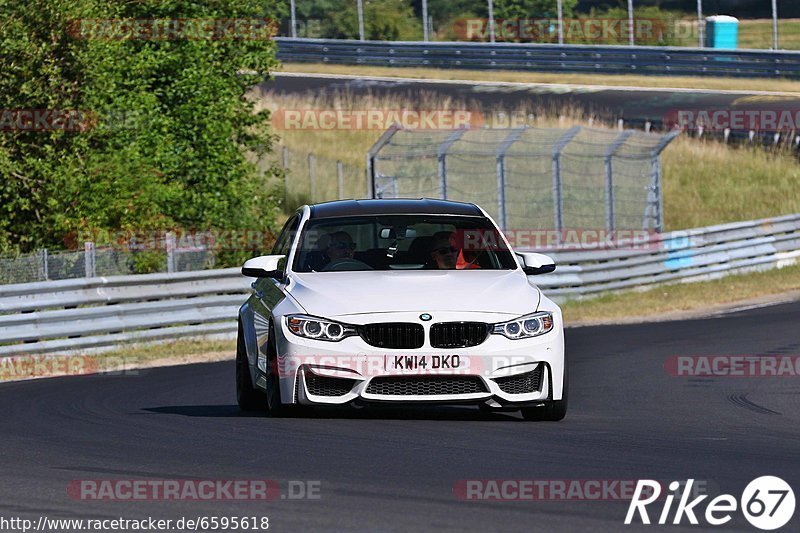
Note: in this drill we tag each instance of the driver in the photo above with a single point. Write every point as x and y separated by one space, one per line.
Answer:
443 250
341 246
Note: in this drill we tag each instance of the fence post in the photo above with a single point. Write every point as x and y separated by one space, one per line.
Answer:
700 28
293 12
560 15
657 192
311 176
425 20
558 202
441 158
774 24
631 40
491 20
360 8
45 268
612 149
372 152
170 245
285 172
90 269
501 175
340 180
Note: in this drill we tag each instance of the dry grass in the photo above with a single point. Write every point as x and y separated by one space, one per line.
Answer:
125 360
185 350
705 182
682 297
757 33
614 80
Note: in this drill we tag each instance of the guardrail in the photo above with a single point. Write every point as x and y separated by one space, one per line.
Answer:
79 314
655 60
687 255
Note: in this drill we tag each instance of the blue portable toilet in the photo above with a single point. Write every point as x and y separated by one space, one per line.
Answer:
722 32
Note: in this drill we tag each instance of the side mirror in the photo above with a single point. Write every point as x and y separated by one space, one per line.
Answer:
533 263
266 266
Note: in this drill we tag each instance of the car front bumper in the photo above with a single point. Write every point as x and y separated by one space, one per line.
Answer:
500 372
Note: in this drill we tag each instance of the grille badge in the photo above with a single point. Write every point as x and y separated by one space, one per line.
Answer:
425 317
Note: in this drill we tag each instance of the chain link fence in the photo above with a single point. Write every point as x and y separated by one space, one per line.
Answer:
761 24
530 177
543 178
310 178
92 262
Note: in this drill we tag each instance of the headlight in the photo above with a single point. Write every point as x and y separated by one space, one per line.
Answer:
526 326
320 329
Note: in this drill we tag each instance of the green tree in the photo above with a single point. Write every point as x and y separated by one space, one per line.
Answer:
172 137
508 9
383 19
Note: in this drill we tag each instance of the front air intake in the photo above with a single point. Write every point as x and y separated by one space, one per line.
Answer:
458 334
399 335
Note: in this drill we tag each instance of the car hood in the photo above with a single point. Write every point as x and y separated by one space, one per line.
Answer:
331 294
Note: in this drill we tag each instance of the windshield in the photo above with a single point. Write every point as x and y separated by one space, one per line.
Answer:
401 242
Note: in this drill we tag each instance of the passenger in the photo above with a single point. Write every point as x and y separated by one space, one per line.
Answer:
447 254
443 251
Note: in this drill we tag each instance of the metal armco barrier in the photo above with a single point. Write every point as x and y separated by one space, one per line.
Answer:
654 60
687 255
78 314
71 315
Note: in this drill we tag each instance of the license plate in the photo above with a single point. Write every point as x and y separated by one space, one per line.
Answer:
422 362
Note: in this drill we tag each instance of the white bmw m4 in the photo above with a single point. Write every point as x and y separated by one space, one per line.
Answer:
399 301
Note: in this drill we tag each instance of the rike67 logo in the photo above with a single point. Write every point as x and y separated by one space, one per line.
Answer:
767 503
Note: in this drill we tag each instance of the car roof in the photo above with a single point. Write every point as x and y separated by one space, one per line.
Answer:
393 206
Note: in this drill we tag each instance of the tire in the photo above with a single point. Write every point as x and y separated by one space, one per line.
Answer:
248 397
274 404
552 410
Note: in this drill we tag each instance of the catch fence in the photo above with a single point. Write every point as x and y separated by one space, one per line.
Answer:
543 178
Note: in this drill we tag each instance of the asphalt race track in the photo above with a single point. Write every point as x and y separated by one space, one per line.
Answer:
632 104
395 469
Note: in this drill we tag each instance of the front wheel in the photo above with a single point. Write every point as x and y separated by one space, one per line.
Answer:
552 410
275 406
248 397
